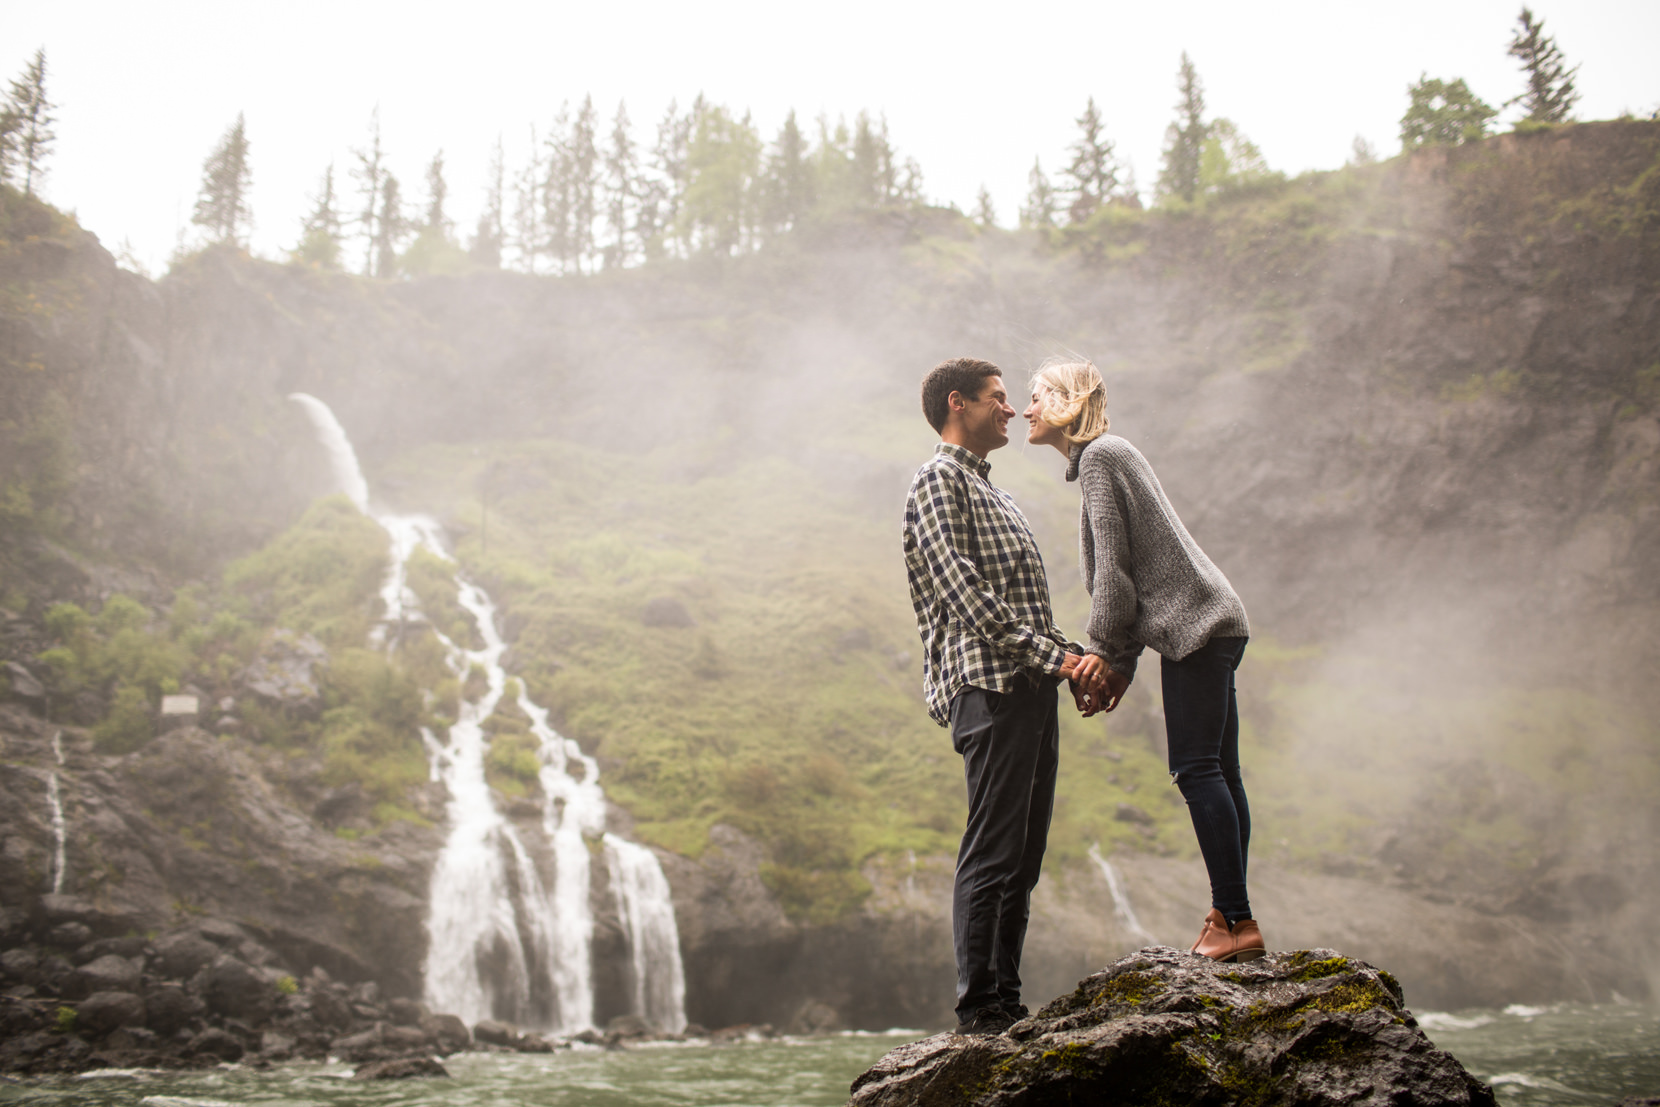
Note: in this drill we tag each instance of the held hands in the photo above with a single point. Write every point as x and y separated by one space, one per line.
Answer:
1095 687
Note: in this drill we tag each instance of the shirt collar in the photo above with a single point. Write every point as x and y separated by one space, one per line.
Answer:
965 457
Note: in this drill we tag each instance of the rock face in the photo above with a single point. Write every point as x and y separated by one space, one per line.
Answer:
1160 1026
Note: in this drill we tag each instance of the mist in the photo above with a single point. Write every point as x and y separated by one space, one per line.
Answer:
658 421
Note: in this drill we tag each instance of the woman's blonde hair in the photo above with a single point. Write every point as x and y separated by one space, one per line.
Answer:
1074 398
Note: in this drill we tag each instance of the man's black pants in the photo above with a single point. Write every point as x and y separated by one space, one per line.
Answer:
1010 742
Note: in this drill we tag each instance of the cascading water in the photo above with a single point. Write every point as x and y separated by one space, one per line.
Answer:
60 829
503 944
1121 908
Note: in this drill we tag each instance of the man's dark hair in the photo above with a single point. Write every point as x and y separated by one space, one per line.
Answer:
961 374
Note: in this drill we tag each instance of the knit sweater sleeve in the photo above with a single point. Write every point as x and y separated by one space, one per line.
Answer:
1112 589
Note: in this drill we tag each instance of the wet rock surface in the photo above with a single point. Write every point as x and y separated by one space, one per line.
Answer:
1161 1026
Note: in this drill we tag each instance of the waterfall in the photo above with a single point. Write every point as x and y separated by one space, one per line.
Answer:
1122 911
503 943
60 830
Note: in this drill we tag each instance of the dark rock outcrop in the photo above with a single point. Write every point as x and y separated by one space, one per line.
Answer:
1308 1028
402 1068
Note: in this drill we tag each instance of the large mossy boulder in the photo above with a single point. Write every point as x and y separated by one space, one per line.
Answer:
1308 1028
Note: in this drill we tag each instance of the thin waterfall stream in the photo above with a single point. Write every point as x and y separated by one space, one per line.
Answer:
1123 911
60 829
505 941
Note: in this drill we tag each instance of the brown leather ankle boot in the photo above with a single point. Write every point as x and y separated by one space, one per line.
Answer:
1220 942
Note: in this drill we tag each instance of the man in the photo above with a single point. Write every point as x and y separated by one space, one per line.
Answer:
992 660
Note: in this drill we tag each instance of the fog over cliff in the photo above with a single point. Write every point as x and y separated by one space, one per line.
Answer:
1409 408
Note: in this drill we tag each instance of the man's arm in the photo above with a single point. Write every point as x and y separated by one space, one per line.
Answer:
942 536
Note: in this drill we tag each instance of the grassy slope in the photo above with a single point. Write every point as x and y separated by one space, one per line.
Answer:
786 707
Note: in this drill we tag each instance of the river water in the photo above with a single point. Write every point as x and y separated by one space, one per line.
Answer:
1562 1056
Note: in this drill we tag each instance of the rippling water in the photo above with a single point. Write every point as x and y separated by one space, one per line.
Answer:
1568 1055
1562 1056
805 1072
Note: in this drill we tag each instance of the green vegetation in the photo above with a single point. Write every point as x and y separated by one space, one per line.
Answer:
65 1023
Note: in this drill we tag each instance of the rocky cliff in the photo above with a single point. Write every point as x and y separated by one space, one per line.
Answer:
1412 409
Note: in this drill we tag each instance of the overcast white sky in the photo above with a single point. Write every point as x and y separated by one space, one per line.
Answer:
973 91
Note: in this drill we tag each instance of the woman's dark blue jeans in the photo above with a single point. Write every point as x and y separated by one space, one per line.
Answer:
1201 719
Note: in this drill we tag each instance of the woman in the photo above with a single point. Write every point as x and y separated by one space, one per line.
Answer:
1151 585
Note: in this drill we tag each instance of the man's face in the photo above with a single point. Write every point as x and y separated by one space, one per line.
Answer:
985 419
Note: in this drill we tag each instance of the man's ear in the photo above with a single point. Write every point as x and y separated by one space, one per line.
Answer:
956 402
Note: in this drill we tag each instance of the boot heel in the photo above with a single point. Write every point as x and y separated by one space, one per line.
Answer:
1245 955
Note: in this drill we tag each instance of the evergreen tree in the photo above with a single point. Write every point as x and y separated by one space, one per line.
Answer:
371 175
435 249
1093 174
554 227
722 164
873 177
984 213
1550 91
486 247
26 119
1040 199
834 185
669 159
1184 139
391 226
1229 159
908 188
1444 113
789 182
222 206
621 171
583 167
319 244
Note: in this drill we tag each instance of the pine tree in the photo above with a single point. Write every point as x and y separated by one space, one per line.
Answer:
1093 173
984 213
485 248
26 119
789 181
908 187
1040 199
583 165
1362 152
391 225
1550 91
873 179
669 159
1184 139
222 207
1229 159
621 170
437 193
435 250
722 164
319 244
371 175
834 185
542 213
1444 113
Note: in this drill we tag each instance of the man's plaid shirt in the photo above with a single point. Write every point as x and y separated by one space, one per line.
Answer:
977 583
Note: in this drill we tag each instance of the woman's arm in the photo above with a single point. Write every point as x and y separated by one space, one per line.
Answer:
1113 590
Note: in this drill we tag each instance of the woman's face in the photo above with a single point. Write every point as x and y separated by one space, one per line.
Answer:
1039 433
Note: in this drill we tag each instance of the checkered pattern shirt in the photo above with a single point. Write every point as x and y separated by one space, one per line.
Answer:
977 583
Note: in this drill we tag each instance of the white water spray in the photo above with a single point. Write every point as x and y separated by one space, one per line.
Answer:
503 944
1121 908
60 829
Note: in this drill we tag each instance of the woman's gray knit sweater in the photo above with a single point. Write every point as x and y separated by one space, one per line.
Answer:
1149 583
